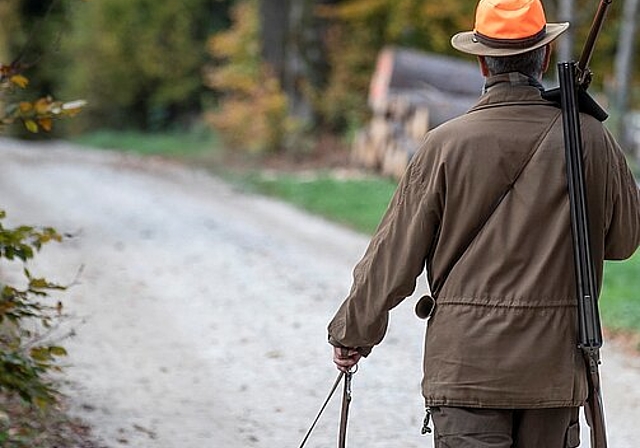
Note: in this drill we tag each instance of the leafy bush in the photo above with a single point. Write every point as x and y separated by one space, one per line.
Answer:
25 354
36 115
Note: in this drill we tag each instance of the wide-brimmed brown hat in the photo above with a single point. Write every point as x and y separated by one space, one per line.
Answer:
507 28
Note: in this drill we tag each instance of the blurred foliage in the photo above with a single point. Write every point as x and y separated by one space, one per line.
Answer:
360 28
31 32
24 43
253 113
138 62
354 32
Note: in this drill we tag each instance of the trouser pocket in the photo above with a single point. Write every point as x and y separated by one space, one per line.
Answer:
572 438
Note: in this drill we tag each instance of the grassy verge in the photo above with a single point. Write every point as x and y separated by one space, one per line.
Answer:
168 144
355 202
621 295
359 202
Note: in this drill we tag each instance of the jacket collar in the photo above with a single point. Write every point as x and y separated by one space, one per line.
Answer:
513 79
507 88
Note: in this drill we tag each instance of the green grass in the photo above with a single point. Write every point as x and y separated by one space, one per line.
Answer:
358 202
620 298
169 144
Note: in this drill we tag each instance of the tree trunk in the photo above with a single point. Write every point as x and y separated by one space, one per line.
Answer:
298 67
623 68
292 45
274 28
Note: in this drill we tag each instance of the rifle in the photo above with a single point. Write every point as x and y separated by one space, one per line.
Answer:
574 80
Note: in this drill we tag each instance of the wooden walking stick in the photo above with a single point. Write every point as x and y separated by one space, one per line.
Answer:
344 414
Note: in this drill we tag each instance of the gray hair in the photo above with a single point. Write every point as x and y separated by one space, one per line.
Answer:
530 63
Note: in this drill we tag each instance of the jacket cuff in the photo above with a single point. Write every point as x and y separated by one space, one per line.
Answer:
364 351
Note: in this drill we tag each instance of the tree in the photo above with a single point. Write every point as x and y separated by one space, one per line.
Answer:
623 69
139 62
292 44
253 113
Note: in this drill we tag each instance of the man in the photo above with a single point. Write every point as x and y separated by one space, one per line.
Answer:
484 207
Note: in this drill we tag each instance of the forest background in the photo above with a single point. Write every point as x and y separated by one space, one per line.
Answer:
266 75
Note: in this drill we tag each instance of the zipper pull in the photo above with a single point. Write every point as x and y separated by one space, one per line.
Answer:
425 423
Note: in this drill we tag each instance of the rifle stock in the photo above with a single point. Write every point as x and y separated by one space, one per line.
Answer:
583 74
594 408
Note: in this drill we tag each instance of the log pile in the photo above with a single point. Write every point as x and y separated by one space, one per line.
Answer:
410 93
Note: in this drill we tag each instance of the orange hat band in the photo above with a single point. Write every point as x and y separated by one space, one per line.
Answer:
523 42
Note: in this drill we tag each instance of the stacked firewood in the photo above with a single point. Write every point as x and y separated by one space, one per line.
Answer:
411 92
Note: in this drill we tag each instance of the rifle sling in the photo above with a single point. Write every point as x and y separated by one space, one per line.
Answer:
463 249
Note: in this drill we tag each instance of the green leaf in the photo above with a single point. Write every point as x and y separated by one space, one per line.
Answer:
31 126
58 351
40 354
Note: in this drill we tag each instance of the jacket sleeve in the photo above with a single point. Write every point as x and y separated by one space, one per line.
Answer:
394 258
623 231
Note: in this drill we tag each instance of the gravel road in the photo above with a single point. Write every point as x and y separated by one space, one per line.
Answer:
200 312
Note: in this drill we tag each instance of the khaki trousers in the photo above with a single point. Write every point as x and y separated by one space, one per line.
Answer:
505 428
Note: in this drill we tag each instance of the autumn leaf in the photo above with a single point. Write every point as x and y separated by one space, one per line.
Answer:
19 80
42 106
46 124
25 107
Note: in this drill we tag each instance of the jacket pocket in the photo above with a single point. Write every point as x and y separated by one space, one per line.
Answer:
572 437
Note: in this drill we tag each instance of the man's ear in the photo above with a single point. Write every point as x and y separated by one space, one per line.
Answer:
483 66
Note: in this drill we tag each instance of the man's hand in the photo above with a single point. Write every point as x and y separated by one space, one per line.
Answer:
345 358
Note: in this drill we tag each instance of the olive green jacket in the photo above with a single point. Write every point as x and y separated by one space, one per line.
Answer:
504 330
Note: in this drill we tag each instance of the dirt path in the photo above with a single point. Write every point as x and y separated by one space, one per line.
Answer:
201 311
